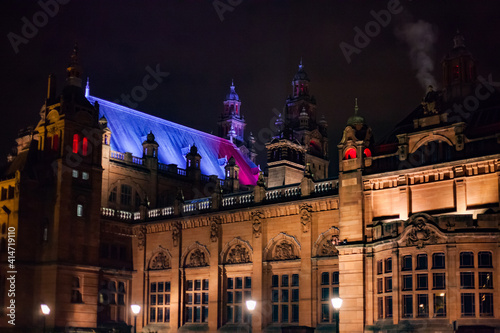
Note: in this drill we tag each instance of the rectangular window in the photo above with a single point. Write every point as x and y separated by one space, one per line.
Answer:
485 280
79 210
285 299
335 278
126 195
486 305
468 305
467 280
422 261
388 284
380 285
196 306
423 305
484 259
406 264
325 313
74 173
440 305
438 261
438 281
466 260
237 295
407 282
380 307
422 282
85 175
325 278
388 265
407 306
379 267
159 301
295 280
388 306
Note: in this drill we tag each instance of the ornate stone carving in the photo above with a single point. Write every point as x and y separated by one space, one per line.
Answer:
197 259
214 229
284 251
305 216
420 233
176 232
160 261
328 247
141 237
257 215
238 255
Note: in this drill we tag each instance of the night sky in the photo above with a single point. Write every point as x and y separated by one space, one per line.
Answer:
257 43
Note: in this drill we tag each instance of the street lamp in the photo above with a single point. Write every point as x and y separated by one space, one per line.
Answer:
46 311
135 310
337 303
251 304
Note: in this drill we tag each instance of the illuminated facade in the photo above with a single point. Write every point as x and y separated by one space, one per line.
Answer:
114 207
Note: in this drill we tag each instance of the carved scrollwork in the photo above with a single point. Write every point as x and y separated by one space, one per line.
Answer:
420 234
197 259
141 237
305 216
257 216
176 232
326 244
214 229
161 260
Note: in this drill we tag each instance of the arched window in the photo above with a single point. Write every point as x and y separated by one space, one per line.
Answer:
484 259
350 154
84 147
367 152
76 139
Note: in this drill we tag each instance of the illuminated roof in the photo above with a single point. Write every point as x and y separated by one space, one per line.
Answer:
129 129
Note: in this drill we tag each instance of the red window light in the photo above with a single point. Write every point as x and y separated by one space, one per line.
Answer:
55 142
350 154
76 140
367 152
84 147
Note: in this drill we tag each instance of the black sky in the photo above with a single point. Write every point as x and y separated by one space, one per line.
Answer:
258 44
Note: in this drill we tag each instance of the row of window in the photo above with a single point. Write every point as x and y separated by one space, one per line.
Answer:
76 174
80 145
438 261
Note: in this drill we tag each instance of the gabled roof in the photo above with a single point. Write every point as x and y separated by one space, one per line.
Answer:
129 129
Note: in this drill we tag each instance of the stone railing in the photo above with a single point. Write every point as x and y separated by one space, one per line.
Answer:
228 201
238 199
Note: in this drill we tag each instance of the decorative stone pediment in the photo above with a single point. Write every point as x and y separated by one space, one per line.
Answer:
420 230
196 255
237 251
282 247
326 244
160 259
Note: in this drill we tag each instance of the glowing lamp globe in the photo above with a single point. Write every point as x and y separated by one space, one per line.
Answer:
135 308
251 305
337 303
45 309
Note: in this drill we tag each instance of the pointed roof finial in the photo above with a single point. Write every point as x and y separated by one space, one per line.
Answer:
87 88
300 64
356 108
232 83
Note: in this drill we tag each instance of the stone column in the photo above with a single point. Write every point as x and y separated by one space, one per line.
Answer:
215 275
305 283
258 284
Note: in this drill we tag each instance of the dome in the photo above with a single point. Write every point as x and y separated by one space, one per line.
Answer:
233 96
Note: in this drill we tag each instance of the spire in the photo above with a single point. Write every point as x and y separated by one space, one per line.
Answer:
87 88
232 93
458 40
356 119
300 64
74 69
356 108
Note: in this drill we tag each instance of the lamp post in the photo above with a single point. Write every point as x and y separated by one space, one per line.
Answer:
46 311
135 310
337 303
251 306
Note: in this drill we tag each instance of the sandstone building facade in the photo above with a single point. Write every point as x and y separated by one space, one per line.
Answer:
114 207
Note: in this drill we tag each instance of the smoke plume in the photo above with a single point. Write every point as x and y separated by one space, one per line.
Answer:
420 37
